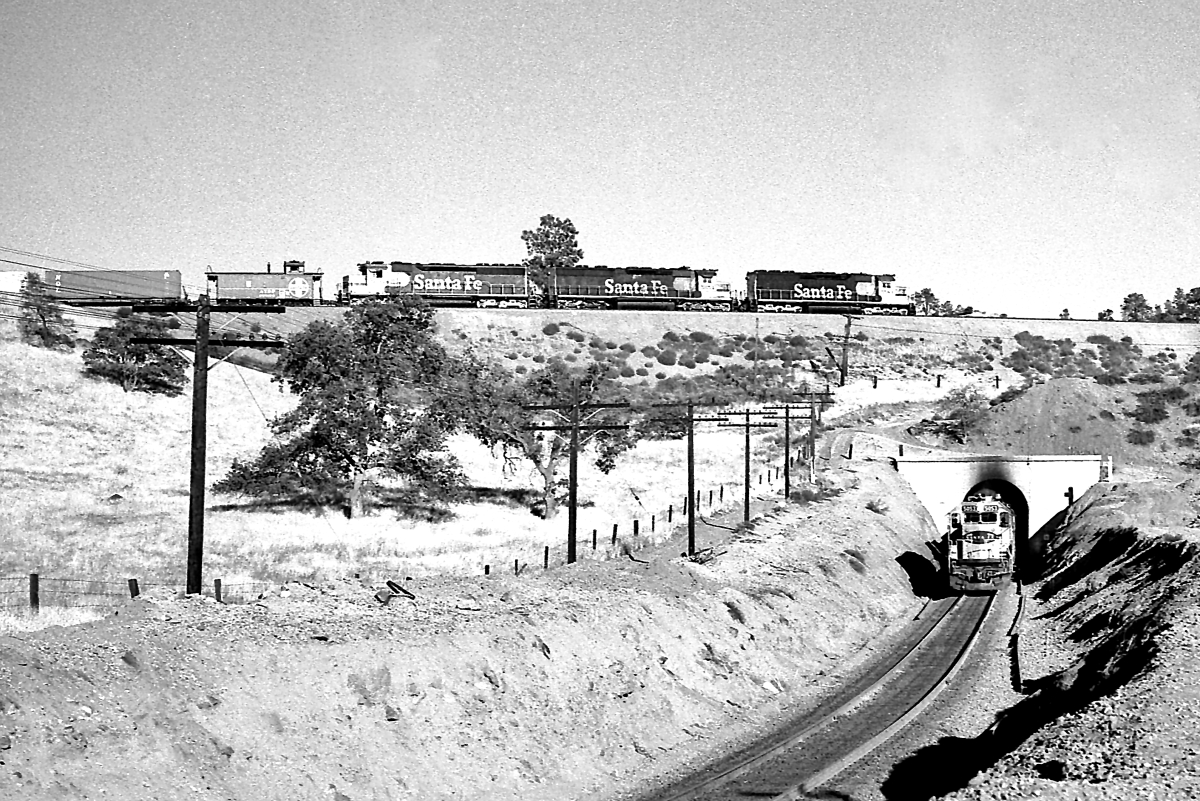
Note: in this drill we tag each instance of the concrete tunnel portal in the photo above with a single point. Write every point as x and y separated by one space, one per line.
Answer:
1038 488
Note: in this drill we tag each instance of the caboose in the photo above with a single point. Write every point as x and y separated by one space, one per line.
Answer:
291 286
979 543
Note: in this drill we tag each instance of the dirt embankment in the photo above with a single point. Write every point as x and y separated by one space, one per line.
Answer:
575 683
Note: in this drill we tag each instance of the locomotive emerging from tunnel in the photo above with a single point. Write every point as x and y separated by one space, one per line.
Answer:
979 543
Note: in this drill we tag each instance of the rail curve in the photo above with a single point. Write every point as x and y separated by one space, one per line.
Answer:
851 723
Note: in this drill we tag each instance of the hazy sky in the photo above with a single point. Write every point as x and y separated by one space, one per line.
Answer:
1021 157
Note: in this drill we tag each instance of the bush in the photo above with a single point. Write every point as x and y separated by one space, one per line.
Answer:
667 357
628 347
878 506
550 329
660 375
1149 414
627 372
649 351
539 358
576 336
671 336
700 336
687 362
1140 436
642 371
861 337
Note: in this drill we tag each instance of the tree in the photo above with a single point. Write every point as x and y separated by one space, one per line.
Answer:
1065 314
1107 314
136 367
372 405
925 301
1135 309
42 322
507 427
551 246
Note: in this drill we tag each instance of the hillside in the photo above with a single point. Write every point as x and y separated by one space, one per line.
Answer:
585 682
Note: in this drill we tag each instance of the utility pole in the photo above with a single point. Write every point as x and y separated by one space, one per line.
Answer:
203 309
574 425
691 421
845 368
747 425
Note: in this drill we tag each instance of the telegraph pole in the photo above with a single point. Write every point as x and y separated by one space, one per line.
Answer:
203 309
747 425
691 421
845 368
574 425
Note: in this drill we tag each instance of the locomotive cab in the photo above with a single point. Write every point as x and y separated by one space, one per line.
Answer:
979 544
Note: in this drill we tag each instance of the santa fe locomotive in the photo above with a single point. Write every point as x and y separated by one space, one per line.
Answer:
684 289
979 543
508 286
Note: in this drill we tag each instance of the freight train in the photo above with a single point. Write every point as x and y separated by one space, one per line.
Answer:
979 543
508 286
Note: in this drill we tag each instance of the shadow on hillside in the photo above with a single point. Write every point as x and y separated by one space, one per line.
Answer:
406 503
923 575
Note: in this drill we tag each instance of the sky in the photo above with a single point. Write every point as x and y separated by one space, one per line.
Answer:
1018 157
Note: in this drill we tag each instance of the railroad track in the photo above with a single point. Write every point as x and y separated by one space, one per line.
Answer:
811 750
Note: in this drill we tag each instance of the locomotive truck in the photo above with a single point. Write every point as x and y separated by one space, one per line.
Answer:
979 543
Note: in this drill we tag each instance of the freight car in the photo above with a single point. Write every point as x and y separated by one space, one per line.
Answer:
681 289
979 543
91 287
483 286
292 286
853 293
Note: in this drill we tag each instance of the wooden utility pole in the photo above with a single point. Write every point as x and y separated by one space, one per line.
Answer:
747 425
574 425
691 421
203 309
845 368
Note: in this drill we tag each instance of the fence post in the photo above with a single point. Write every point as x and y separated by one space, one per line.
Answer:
35 602
217 589
516 567
722 493
901 448
652 523
670 512
874 382
614 540
850 453
685 506
487 570
635 527
593 539
133 588
939 382
546 553
710 498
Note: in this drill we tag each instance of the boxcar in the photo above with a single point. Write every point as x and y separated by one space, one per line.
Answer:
293 286
81 287
681 289
856 293
484 286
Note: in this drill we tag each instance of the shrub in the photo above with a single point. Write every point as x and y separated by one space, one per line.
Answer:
801 341
902 340
878 506
1149 414
671 336
628 347
627 372
550 329
539 358
510 356
521 369
700 336
861 337
687 362
596 343
1105 414
610 345
576 335
649 351
642 371
570 357
1140 436
660 375
667 357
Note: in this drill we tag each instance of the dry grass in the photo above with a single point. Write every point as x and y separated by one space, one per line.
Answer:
95 485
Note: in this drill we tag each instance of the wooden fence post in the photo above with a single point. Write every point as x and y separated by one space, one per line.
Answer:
217 589
133 588
546 553
614 539
35 602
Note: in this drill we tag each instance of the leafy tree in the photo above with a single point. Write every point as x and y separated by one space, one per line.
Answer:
373 404
507 427
552 245
1135 309
42 322
1107 314
925 301
1065 314
136 367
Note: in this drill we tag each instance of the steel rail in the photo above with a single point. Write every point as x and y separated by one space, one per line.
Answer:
783 748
